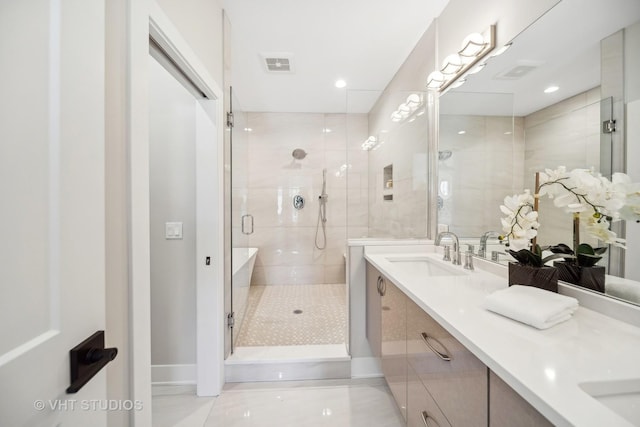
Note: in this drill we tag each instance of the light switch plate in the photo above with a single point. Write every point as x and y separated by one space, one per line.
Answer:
173 230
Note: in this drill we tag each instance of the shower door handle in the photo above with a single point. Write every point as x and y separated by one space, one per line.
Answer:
244 222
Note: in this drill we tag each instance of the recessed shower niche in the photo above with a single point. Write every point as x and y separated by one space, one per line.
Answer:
387 183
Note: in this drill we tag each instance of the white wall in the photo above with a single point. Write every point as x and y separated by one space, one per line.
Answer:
117 256
200 24
172 127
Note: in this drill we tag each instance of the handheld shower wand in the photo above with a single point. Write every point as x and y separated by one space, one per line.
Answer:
322 213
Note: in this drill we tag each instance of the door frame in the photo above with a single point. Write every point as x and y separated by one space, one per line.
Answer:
146 19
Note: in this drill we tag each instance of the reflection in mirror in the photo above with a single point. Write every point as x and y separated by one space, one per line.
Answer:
537 106
397 162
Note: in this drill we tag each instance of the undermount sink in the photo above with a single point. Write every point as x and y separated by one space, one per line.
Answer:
426 266
622 397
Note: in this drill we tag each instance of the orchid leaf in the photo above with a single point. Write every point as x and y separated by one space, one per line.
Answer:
526 257
585 249
561 248
588 260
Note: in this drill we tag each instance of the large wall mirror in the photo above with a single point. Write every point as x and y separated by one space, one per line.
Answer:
507 122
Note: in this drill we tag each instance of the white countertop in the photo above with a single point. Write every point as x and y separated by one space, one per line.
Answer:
544 366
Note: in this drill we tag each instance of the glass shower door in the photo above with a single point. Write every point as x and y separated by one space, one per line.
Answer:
241 224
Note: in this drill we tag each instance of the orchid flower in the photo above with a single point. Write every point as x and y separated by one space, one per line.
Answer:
521 222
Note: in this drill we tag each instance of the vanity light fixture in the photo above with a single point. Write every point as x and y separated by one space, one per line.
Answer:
248 130
341 84
474 47
551 89
435 80
407 108
451 64
369 143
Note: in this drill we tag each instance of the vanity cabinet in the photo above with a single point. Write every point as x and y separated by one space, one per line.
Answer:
394 342
435 380
507 408
386 332
374 309
422 410
455 378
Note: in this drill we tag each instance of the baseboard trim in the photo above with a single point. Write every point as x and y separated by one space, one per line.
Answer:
173 374
366 367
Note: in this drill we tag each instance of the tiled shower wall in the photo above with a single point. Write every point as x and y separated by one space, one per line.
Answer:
283 235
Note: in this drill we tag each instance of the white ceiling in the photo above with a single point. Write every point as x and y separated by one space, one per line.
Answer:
361 41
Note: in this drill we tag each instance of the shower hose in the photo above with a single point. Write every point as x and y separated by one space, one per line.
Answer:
322 221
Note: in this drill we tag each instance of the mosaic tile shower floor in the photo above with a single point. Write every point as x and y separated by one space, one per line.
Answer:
273 318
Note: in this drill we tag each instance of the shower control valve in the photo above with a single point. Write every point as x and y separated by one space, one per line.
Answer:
298 202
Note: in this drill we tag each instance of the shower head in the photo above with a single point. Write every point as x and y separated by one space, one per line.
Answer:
444 155
299 154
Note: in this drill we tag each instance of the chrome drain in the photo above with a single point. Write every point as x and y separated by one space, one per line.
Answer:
297 311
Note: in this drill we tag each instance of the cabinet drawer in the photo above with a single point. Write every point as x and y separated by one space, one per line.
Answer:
422 409
455 378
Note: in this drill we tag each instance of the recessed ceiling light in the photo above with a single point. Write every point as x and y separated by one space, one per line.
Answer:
551 89
340 84
248 129
462 132
326 130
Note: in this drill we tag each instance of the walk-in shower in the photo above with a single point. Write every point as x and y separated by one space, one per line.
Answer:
298 293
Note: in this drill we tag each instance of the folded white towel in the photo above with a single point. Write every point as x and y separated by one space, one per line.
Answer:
533 306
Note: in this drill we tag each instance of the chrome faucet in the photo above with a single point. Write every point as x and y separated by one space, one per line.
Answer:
482 252
455 258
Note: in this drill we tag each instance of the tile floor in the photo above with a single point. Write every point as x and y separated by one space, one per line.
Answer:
282 315
335 403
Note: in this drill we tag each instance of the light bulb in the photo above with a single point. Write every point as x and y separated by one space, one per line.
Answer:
435 80
472 45
451 64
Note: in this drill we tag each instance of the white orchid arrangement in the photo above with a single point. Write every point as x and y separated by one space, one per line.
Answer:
588 195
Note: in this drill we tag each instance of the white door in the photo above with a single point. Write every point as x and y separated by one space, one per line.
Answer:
51 208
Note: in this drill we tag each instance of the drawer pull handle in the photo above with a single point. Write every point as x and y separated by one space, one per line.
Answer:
427 340
382 286
428 420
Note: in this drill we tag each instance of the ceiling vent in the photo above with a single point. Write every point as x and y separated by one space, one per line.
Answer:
278 62
523 68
